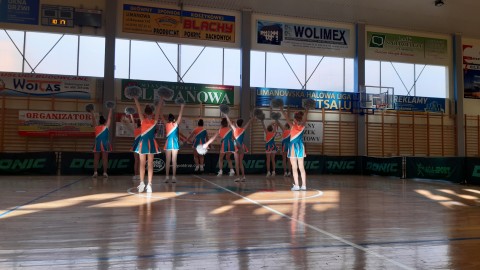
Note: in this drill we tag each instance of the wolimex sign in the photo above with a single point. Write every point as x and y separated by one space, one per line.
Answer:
192 93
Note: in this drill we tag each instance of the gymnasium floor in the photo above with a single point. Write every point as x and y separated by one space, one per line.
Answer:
205 222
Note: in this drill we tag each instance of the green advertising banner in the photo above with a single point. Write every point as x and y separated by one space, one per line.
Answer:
472 170
192 93
383 166
449 168
342 165
386 45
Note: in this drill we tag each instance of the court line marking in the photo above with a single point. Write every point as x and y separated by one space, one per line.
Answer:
2 215
146 195
338 238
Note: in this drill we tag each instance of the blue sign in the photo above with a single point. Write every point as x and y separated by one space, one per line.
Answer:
19 11
419 104
328 100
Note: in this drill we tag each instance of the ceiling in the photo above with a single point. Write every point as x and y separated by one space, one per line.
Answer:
456 16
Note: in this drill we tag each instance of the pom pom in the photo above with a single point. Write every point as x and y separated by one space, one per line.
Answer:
276 103
90 107
110 104
201 150
309 104
132 92
165 92
275 116
156 101
259 114
224 108
130 110
179 101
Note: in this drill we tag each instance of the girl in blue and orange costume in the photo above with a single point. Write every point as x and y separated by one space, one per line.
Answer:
171 143
287 167
102 142
240 147
296 150
270 147
137 133
200 136
147 146
227 146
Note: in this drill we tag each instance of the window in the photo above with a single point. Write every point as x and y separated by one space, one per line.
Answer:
11 44
122 58
91 56
231 67
153 61
201 64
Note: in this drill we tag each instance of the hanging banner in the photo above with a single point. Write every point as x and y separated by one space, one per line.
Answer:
192 93
471 71
28 163
328 100
21 12
178 23
405 47
419 104
55 123
288 35
446 168
44 85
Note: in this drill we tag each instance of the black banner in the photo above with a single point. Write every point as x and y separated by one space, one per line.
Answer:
472 170
445 168
77 163
383 166
343 165
28 163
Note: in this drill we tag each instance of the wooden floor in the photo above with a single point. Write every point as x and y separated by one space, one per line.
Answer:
205 222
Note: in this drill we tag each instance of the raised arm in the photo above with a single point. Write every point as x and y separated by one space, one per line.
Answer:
282 127
139 110
179 118
248 123
287 118
109 118
230 122
205 145
158 112
94 121
305 115
263 125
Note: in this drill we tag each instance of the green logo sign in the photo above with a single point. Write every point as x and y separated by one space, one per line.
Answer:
382 167
15 164
340 165
80 163
377 41
434 171
476 171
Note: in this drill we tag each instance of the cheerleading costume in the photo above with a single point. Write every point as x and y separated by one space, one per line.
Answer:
102 139
227 144
239 135
171 143
296 148
200 136
270 146
148 144
285 140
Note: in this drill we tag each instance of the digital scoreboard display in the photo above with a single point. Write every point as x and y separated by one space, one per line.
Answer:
61 16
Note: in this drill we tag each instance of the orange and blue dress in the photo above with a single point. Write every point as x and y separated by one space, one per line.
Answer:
148 144
239 134
285 140
270 146
137 133
227 145
102 139
296 148
200 136
171 142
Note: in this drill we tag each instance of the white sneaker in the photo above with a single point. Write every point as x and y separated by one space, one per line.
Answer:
285 174
220 173
141 187
201 168
232 173
289 174
197 168
273 174
295 188
174 179
166 179
105 175
149 188
303 188
237 179
268 174
243 179
94 175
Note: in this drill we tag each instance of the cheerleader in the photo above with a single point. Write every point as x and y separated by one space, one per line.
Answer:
287 167
227 146
296 149
240 147
270 147
137 132
102 142
147 146
171 143
200 136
